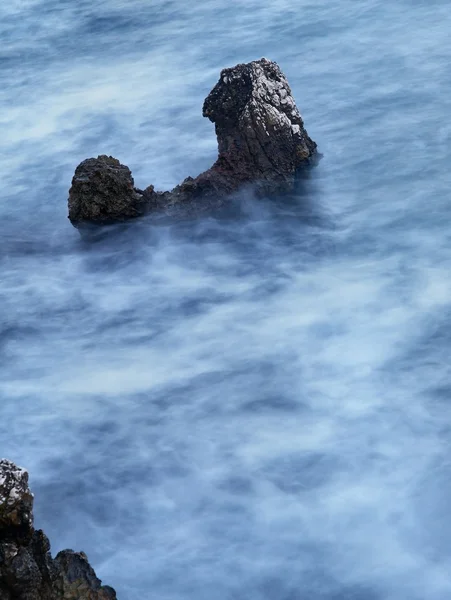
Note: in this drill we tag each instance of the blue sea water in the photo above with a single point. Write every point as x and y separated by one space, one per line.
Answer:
245 406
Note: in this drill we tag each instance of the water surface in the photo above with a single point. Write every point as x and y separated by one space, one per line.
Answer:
252 405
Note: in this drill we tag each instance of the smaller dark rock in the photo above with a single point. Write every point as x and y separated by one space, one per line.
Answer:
77 579
103 192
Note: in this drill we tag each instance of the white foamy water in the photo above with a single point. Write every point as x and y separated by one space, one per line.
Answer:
252 405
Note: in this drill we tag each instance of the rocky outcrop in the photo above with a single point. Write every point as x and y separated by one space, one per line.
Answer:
27 569
261 141
103 191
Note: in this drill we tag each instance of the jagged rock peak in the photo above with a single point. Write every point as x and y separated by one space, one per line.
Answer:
257 121
27 570
16 501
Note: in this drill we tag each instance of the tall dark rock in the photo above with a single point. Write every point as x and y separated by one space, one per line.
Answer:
27 569
261 141
261 136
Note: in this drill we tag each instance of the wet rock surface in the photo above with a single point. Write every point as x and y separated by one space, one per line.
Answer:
261 135
27 569
103 191
261 141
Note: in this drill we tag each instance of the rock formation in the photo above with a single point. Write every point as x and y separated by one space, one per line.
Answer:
261 141
27 569
103 191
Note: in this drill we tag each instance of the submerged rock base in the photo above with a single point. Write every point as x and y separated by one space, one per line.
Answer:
261 141
27 569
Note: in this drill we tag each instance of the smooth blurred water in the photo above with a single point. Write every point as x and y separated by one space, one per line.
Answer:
253 405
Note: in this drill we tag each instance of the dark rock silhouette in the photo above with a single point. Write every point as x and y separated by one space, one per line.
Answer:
103 191
27 569
261 141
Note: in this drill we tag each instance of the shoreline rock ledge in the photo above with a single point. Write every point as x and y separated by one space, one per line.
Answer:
261 141
27 569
